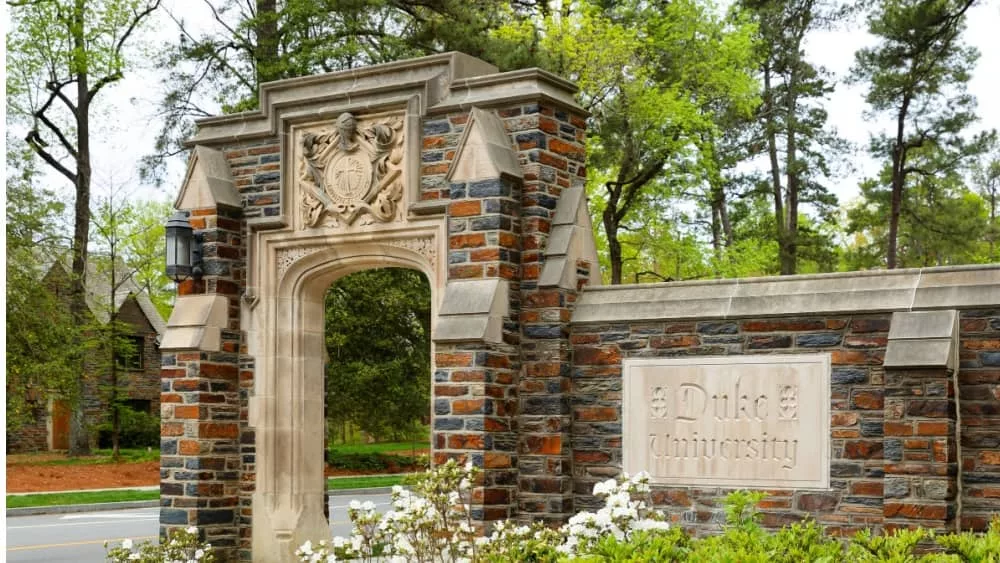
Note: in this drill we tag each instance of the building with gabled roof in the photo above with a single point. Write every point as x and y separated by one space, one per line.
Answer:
139 375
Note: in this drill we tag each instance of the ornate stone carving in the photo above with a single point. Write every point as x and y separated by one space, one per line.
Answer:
288 256
423 246
352 171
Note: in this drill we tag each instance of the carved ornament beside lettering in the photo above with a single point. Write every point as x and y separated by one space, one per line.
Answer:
352 172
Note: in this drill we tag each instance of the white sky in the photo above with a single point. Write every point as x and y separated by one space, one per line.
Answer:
128 123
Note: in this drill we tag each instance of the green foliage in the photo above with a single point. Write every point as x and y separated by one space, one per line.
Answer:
367 482
95 497
917 74
179 545
667 546
374 462
40 330
138 430
974 548
941 222
221 63
378 347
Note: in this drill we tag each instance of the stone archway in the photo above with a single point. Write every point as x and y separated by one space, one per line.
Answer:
287 406
439 164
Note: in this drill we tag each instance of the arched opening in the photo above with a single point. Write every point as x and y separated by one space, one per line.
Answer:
377 362
287 409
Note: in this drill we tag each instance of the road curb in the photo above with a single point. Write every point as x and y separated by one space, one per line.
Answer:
72 508
128 505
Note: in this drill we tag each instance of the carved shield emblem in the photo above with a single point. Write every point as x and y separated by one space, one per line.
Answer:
349 178
353 170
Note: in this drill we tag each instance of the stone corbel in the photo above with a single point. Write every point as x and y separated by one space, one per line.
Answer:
923 339
208 182
571 239
196 324
473 310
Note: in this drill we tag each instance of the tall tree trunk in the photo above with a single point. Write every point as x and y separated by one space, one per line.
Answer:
267 41
770 131
789 246
898 178
614 246
79 435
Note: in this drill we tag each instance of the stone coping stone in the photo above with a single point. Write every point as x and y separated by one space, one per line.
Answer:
957 287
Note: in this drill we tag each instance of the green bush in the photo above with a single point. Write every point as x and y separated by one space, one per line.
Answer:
138 430
372 461
432 522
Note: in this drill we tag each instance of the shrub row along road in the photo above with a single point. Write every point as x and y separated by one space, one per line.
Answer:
75 538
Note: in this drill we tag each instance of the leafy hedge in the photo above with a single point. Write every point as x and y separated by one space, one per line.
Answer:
138 430
373 461
432 522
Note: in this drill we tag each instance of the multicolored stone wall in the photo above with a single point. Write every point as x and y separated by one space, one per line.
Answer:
893 439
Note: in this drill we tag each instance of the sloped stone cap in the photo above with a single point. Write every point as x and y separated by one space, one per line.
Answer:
473 310
820 294
196 323
484 151
208 183
923 339
571 239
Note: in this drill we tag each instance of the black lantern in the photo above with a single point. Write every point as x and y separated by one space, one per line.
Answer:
183 249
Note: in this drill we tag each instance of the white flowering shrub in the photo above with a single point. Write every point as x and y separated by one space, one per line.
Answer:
181 546
627 509
432 523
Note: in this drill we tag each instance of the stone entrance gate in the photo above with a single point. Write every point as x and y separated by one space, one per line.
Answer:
546 382
439 164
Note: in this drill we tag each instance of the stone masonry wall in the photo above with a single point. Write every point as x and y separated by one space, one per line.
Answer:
979 392
200 463
890 432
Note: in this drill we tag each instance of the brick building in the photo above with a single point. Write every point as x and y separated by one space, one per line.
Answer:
139 374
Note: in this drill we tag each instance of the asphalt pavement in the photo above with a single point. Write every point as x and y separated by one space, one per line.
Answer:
80 537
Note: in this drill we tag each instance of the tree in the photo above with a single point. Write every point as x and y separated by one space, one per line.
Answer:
249 43
652 77
121 233
942 222
792 120
378 351
986 179
40 331
62 55
917 74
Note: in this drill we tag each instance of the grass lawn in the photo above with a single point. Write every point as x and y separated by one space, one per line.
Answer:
385 447
131 455
95 497
338 483
54 499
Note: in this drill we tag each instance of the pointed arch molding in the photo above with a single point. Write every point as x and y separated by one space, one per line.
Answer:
285 336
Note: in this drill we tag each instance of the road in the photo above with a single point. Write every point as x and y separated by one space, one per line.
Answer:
76 538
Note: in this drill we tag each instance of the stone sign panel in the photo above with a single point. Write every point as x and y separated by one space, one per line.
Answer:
731 421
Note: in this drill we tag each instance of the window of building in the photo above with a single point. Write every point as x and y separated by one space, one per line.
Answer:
130 357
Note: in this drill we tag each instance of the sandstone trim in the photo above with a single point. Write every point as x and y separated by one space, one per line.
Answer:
856 292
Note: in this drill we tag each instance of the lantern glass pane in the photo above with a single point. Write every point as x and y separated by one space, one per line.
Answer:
184 250
171 247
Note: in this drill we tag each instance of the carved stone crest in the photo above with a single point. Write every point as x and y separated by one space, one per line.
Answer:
352 171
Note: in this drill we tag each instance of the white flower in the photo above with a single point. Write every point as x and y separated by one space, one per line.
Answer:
127 544
198 554
192 530
133 557
355 505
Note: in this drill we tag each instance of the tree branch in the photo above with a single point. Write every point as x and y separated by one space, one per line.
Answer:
38 145
40 115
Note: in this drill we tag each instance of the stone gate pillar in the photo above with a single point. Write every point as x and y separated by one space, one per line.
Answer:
439 164
921 430
200 402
